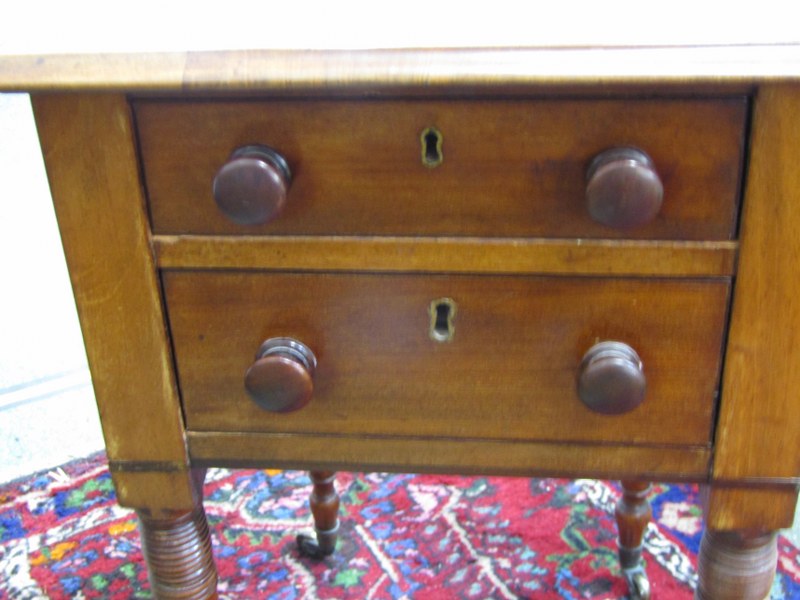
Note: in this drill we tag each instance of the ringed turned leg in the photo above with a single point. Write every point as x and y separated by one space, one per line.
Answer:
633 514
739 551
177 549
325 508
736 565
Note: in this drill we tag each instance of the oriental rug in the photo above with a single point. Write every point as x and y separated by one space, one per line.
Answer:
402 536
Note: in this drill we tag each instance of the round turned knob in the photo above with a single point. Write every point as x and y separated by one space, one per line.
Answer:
610 378
623 189
251 187
281 378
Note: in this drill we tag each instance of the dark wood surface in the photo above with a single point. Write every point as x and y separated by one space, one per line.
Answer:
251 187
623 188
324 503
281 378
633 514
513 168
611 379
509 372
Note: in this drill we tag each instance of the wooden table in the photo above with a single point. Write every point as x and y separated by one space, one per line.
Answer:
569 261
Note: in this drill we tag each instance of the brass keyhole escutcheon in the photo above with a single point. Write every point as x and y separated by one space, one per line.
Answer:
442 313
432 141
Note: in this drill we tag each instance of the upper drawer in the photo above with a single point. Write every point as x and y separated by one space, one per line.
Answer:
509 168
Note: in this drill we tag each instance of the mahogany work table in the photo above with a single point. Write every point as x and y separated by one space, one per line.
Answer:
499 261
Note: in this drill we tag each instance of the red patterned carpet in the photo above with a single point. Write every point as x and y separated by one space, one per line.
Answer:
403 536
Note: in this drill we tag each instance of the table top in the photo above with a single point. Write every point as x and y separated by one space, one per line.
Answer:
87 46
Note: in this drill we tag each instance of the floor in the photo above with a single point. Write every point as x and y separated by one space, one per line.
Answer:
47 410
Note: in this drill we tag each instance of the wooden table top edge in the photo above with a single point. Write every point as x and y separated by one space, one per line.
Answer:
299 69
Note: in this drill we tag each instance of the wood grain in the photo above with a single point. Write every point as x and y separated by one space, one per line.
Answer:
508 373
90 157
159 493
759 507
759 433
456 255
633 514
458 456
177 550
576 68
511 168
736 566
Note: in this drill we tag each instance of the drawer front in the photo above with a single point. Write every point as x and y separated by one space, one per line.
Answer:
508 372
510 168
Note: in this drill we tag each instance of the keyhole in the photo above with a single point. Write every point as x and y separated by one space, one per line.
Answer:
431 147
442 313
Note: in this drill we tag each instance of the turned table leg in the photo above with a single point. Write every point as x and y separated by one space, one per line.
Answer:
178 554
176 543
735 565
633 514
325 508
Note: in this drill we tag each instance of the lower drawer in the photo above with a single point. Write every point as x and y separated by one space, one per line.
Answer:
508 372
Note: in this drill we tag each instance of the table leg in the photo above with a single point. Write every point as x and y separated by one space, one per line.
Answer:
177 549
736 565
325 508
633 514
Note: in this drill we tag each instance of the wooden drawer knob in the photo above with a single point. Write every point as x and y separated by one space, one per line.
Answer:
251 187
610 378
281 378
623 189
